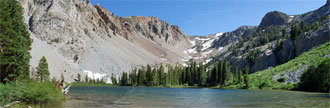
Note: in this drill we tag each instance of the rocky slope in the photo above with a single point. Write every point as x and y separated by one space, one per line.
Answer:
77 37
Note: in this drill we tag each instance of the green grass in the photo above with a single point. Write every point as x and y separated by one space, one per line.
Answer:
313 57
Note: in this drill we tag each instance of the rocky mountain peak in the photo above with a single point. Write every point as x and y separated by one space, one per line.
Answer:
274 18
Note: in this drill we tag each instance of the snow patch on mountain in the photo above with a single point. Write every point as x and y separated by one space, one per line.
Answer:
184 60
207 61
202 39
93 75
204 54
191 51
218 34
193 43
220 48
207 44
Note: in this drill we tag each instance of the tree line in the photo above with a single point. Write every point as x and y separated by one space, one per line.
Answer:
221 74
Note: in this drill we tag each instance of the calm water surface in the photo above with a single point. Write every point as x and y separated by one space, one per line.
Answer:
145 97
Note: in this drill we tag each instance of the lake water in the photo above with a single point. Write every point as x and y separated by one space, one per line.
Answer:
147 97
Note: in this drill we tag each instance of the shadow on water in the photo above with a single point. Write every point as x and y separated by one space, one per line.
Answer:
321 95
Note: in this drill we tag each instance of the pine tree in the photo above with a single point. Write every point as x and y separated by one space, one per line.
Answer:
246 78
124 79
15 42
78 78
214 75
161 75
42 69
240 77
226 72
155 79
236 72
113 79
141 76
86 78
149 75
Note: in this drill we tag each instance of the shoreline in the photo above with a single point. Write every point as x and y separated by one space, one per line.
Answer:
197 87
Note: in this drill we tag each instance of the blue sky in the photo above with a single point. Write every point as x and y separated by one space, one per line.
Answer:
203 17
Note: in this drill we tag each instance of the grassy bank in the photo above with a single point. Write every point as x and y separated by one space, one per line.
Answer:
264 79
30 92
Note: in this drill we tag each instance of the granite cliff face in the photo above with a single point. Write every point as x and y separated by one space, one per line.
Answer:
77 37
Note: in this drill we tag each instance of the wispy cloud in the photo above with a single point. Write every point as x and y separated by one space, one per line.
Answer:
192 19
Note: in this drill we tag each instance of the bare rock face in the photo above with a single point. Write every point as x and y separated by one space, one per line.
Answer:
231 37
265 60
274 18
309 40
77 37
286 51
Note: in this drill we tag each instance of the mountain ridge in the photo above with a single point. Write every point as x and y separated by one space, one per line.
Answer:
78 37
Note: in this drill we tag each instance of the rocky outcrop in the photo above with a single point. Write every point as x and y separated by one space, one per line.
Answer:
274 18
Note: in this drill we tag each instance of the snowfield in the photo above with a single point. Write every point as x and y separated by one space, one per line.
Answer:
207 44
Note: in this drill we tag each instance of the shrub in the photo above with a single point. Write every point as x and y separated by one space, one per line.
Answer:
265 84
316 78
56 40
42 92
10 92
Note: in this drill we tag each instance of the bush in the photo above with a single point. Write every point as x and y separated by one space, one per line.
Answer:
42 92
10 92
316 78
265 84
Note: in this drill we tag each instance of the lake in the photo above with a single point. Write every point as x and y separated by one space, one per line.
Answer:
148 97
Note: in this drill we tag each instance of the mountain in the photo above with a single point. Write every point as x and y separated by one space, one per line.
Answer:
273 42
77 37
